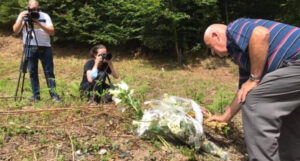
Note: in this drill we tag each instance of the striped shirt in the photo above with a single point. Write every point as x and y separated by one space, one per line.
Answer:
284 44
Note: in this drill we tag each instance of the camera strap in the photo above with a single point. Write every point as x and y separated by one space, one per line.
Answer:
105 75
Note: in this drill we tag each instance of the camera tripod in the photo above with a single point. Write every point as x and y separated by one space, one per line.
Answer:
29 27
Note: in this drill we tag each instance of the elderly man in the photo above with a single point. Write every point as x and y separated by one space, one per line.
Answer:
37 46
267 54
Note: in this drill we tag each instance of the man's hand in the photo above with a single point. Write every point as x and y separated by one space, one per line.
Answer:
36 21
23 15
219 118
19 23
245 89
48 29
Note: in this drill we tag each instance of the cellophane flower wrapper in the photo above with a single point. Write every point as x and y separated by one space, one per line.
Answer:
177 118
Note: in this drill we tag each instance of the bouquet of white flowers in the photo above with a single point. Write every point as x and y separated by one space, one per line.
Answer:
178 119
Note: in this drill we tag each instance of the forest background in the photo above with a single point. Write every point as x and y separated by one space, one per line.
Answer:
170 27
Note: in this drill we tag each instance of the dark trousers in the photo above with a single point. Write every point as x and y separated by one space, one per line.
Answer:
33 54
271 116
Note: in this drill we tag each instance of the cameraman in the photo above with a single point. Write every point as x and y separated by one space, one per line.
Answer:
38 47
94 75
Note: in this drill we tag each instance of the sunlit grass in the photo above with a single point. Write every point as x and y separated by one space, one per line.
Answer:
149 78
209 83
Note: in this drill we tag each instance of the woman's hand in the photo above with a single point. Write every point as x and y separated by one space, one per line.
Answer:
98 59
109 62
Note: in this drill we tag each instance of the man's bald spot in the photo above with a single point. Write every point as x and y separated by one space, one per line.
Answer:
33 3
213 28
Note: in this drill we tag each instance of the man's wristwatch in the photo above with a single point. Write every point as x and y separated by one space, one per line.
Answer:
252 77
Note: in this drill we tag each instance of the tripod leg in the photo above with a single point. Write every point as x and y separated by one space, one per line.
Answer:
22 87
21 71
17 89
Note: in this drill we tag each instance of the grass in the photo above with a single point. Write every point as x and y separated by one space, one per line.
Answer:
148 80
210 83
221 100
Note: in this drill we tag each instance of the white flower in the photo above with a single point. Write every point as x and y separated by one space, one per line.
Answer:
116 100
115 92
123 86
131 92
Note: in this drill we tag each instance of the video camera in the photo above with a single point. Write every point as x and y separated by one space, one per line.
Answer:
106 56
33 14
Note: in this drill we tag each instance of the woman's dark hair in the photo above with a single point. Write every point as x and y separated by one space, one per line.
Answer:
94 49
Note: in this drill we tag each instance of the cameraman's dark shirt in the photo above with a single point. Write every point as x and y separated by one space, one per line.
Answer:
89 66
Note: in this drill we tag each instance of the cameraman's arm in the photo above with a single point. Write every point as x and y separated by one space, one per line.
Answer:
17 27
113 71
48 29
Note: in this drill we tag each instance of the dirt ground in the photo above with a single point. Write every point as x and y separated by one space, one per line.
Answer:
97 133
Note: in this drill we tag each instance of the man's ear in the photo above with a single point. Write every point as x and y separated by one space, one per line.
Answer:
215 35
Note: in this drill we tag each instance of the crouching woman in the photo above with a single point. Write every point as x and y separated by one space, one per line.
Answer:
95 74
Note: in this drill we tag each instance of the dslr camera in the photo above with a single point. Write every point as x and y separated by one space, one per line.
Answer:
106 56
33 13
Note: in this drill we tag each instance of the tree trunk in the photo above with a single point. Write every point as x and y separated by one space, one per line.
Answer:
178 52
175 37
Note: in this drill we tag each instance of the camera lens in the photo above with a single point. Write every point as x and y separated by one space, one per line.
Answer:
33 13
108 56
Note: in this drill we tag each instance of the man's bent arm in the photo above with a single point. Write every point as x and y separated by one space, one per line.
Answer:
258 50
17 27
230 111
48 29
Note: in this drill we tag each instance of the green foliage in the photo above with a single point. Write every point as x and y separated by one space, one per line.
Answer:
226 129
220 101
292 12
266 9
162 25
110 22
195 94
4 84
69 91
122 94
12 131
141 92
177 26
95 146
9 10
188 152
61 158
155 24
